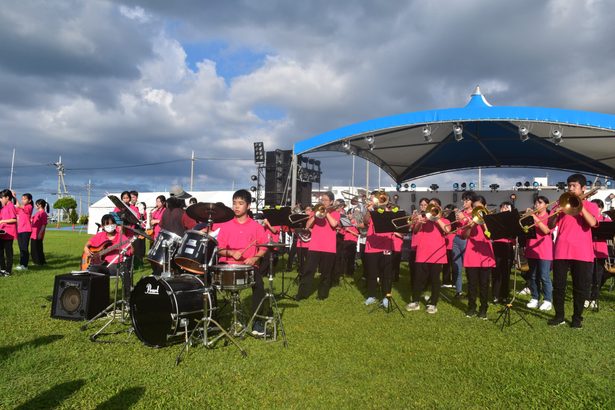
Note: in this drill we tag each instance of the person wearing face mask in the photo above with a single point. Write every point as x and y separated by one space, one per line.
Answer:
109 236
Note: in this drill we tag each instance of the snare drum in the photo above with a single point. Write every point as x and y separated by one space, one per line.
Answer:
164 241
232 277
163 309
192 250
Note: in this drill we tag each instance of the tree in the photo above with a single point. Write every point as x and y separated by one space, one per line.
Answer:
66 204
73 217
83 220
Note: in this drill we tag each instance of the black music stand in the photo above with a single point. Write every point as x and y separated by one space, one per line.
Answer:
296 222
506 225
382 224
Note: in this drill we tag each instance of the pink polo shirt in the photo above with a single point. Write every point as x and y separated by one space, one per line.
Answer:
377 242
479 252
39 221
397 242
8 212
23 218
432 248
450 240
101 237
323 235
540 247
157 214
574 235
350 237
239 236
601 250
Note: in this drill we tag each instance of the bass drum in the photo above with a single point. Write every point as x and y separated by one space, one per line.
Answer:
194 247
163 309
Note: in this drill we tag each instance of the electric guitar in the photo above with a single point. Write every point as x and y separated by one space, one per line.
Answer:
98 253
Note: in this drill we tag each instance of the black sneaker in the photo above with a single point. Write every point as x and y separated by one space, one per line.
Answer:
576 324
556 321
459 295
258 329
4 273
471 313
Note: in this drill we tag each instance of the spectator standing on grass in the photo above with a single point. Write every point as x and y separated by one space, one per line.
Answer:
24 229
8 224
39 226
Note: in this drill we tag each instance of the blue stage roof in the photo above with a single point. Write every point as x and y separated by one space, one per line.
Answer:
491 138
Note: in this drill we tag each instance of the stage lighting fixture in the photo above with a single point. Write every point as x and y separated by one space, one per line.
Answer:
472 185
434 187
609 184
311 161
598 183
253 188
398 187
369 139
524 132
463 186
518 184
395 198
406 186
458 132
513 198
413 186
253 177
259 153
317 163
560 186
494 187
526 184
427 133
535 184
556 135
304 159
346 146
456 186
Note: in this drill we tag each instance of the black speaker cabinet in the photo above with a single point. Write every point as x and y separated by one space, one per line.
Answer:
79 296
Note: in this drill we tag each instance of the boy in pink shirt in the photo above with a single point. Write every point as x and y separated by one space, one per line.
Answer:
39 225
8 223
574 252
24 229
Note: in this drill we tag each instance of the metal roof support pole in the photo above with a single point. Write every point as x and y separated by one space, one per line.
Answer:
293 183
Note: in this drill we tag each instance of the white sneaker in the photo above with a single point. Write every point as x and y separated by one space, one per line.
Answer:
431 309
413 306
546 306
20 267
370 301
593 305
532 304
524 291
586 304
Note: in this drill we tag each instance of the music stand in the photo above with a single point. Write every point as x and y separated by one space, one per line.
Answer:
297 222
382 224
506 225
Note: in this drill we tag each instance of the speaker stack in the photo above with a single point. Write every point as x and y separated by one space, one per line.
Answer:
79 296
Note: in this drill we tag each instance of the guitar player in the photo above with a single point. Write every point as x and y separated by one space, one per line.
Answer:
102 251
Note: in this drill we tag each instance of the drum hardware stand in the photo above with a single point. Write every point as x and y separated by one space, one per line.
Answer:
237 328
505 312
275 320
119 309
204 325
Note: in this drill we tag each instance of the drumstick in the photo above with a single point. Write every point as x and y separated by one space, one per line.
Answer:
247 247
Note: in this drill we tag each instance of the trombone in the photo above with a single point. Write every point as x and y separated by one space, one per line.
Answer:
320 211
358 199
569 204
297 217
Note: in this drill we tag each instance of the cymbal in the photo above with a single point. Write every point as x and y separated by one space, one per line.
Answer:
203 211
271 245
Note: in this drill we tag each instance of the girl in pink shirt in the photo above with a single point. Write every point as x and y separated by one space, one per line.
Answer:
378 252
24 229
39 225
539 255
478 261
430 256
601 252
8 224
161 206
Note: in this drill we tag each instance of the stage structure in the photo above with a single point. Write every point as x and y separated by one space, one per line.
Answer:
418 144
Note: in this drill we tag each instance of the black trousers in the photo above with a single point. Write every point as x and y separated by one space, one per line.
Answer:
581 279
6 255
38 254
378 265
23 240
338 267
597 275
500 276
350 253
292 252
447 268
395 265
427 274
412 266
362 256
258 288
478 284
323 261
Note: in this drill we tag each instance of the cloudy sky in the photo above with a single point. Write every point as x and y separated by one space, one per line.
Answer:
124 91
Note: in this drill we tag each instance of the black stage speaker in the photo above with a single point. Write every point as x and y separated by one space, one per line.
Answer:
79 296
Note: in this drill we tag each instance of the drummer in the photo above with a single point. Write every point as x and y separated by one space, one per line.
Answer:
237 242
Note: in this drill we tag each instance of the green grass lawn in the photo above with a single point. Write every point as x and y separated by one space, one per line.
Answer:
339 356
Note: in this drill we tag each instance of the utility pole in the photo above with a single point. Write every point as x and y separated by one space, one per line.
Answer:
12 166
192 172
88 188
